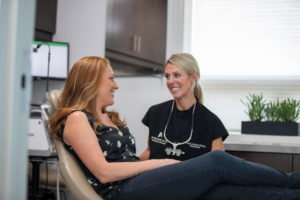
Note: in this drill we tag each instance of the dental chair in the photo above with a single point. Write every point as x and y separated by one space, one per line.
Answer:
73 176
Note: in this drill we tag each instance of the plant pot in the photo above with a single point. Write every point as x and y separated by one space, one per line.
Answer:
271 128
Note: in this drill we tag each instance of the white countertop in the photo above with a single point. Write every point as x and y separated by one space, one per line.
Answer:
263 143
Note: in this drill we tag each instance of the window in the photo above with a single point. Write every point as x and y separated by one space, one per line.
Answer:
252 39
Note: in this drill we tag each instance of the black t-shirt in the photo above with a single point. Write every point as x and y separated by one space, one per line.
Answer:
206 127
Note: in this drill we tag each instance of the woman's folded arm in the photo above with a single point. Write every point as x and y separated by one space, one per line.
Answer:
79 134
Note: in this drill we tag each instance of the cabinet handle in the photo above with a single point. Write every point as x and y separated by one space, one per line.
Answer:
139 44
133 43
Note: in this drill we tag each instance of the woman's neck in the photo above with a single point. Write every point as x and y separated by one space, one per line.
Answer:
97 111
185 103
104 117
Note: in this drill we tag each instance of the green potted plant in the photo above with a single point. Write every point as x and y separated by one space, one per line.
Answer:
272 111
289 110
272 118
255 106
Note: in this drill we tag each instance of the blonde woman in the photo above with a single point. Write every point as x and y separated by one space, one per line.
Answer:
183 127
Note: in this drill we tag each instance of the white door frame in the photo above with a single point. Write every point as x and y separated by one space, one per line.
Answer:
16 35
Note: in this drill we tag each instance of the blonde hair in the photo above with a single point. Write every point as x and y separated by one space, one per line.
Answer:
80 92
188 63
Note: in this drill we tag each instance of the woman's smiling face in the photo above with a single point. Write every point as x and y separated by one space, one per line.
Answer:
179 83
105 96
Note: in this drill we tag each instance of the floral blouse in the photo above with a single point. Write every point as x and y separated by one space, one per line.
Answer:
117 146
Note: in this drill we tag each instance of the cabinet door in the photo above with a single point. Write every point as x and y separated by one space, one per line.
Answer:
45 19
121 26
277 160
151 29
296 163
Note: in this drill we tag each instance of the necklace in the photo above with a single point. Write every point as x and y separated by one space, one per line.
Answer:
176 151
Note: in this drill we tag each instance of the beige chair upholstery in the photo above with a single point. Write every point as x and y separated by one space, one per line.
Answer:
73 176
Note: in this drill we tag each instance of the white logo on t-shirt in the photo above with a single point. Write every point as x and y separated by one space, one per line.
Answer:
160 135
158 140
174 152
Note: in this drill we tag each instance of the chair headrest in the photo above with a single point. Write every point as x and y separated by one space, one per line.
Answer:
53 98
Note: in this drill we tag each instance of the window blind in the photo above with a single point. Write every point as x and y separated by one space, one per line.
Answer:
246 38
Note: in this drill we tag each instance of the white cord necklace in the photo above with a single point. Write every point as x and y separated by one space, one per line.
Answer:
176 151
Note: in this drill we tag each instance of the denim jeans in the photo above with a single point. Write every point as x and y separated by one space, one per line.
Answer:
240 192
194 178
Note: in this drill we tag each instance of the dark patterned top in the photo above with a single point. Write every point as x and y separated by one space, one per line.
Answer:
117 146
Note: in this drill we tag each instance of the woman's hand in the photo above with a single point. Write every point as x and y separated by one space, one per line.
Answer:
217 144
146 154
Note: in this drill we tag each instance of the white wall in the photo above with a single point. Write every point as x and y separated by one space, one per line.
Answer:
132 100
82 24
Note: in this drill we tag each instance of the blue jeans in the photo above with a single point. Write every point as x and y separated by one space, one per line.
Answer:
198 177
240 192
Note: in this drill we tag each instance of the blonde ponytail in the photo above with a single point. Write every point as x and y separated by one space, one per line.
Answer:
198 92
